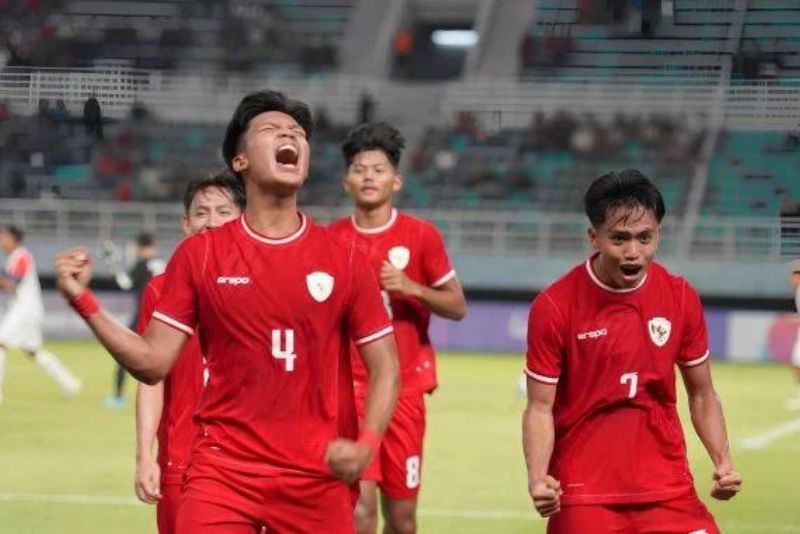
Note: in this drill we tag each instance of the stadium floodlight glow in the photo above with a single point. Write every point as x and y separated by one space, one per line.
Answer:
455 38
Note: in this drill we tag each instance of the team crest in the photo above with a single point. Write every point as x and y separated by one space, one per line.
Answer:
659 329
320 285
399 256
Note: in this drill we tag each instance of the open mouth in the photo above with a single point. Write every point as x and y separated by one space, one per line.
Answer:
287 157
630 271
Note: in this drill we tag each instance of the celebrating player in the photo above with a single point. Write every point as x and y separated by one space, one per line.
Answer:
603 443
166 409
409 256
275 300
21 326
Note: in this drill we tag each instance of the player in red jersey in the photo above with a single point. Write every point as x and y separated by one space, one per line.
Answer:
275 300
165 410
603 443
409 256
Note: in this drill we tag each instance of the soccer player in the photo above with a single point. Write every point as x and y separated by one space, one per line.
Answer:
409 256
21 326
794 402
165 410
603 443
274 299
147 265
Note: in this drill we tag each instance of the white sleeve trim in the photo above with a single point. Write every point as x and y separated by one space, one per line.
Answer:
696 361
541 378
173 323
446 278
377 335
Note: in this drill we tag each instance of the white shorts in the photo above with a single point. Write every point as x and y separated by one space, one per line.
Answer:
20 330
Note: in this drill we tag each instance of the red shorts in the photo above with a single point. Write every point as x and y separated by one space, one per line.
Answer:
398 467
167 507
685 514
219 500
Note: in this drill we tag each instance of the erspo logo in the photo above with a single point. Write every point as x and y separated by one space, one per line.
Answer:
233 280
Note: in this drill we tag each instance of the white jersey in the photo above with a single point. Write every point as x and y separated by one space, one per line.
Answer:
21 267
21 325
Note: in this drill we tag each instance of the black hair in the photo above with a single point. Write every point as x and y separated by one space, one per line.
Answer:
256 104
628 188
15 232
145 239
223 180
374 136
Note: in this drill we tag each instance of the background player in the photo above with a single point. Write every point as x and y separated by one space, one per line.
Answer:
147 265
409 256
603 442
275 300
165 410
794 279
21 326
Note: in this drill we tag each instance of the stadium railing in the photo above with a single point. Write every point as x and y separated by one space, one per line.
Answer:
68 223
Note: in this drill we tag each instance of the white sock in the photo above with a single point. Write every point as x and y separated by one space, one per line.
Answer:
53 367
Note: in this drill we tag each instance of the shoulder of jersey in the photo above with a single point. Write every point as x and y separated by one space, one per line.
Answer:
567 281
156 283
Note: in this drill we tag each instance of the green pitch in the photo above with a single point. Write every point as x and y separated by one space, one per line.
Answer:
67 465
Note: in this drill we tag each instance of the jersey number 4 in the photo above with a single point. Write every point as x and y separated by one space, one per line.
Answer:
283 347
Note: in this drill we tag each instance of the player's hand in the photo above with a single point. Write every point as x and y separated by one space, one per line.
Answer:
73 272
546 494
726 483
148 481
395 281
347 459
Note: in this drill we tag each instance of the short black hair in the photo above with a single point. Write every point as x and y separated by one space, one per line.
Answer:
256 104
223 180
15 232
374 136
145 239
628 188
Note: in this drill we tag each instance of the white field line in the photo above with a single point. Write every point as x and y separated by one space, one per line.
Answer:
773 434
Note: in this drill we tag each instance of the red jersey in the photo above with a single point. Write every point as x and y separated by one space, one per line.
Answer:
274 317
415 247
183 389
612 352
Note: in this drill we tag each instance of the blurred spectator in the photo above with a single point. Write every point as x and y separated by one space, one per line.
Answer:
93 118
366 108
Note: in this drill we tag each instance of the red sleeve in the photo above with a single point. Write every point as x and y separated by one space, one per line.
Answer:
178 304
150 298
367 319
546 343
20 267
694 344
436 264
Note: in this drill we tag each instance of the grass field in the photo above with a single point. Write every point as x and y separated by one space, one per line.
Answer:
66 466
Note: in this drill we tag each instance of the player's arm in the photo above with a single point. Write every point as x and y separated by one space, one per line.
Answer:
380 359
148 357
348 459
709 423
446 300
149 405
7 283
538 438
